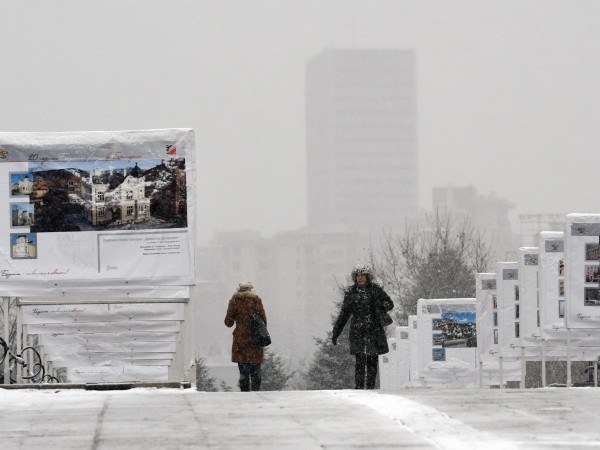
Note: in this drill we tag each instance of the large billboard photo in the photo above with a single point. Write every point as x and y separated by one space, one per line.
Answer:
97 207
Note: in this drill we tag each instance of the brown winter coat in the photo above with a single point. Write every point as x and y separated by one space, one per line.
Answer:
239 312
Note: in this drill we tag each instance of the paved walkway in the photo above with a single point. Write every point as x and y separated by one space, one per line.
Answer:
149 418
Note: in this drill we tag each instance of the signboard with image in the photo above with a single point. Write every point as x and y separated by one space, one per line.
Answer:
582 257
91 208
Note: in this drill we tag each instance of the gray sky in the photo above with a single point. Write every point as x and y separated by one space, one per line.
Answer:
509 91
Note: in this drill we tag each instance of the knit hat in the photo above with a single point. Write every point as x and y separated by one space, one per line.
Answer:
246 286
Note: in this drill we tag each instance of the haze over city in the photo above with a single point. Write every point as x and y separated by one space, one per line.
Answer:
508 91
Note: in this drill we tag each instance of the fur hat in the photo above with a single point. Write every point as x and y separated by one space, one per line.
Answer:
362 269
246 286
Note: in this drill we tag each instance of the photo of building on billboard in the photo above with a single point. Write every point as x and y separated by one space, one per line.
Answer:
23 246
21 184
591 296
455 329
109 195
591 274
21 215
438 354
89 207
592 252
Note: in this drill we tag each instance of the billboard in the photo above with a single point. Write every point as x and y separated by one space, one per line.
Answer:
582 279
487 317
96 209
552 283
529 310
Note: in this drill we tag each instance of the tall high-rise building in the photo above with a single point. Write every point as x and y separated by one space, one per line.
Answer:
361 137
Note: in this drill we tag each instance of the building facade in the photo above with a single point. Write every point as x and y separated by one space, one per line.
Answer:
488 215
361 137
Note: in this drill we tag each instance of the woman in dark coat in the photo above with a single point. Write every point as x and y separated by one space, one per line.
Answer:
364 301
243 351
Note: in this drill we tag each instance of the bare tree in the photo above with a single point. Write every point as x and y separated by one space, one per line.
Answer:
437 260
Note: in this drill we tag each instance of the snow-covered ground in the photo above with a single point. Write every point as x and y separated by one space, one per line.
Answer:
145 418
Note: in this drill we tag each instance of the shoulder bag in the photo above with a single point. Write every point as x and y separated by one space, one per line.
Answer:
258 329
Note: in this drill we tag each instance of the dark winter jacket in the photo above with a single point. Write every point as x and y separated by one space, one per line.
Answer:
239 312
364 305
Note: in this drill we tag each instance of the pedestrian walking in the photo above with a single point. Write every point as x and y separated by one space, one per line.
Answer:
244 352
365 302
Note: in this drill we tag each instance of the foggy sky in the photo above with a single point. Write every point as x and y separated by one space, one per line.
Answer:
508 91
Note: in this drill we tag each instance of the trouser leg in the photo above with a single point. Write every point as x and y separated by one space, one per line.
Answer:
255 376
372 363
359 371
244 377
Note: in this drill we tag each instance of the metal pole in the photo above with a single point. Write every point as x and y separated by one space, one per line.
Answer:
19 343
543 363
568 357
523 368
5 306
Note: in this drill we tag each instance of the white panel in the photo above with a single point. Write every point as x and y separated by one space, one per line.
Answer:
528 297
116 237
402 375
508 304
105 327
122 336
552 278
117 374
447 342
582 285
415 354
111 312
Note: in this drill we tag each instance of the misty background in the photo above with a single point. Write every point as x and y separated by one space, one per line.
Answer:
508 93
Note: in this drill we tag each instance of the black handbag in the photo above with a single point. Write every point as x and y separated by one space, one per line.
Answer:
258 329
385 319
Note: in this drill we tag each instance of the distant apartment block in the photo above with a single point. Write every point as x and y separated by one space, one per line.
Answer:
488 214
361 137
530 226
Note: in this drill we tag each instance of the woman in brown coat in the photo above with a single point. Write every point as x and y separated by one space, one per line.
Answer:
243 351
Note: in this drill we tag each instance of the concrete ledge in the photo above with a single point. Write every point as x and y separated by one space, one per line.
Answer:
103 386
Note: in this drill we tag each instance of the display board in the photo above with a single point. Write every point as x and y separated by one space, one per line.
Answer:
107 341
415 355
582 277
402 357
528 306
447 342
387 367
551 270
509 343
487 328
96 209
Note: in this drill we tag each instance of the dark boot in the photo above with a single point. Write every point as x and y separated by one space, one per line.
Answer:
245 385
256 383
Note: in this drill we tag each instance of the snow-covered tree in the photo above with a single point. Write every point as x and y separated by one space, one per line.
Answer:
332 366
204 382
275 375
437 260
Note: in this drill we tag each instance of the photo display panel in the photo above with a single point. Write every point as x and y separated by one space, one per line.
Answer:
91 208
528 312
509 330
582 255
552 284
487 317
